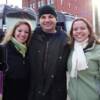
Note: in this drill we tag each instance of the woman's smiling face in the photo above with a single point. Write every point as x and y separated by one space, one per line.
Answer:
22 33
80 31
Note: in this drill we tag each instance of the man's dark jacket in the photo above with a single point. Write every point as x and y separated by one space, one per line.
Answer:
48 56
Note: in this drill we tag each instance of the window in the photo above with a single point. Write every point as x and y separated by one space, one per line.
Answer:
0 23
50 2
1 15
39 3
68 21
42 3
34 5
61 1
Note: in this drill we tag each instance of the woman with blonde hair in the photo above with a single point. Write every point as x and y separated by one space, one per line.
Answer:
16 77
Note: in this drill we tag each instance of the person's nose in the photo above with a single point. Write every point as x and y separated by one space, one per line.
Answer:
23 33
47 19
79 31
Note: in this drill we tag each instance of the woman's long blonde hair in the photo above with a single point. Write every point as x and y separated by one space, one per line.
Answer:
10 34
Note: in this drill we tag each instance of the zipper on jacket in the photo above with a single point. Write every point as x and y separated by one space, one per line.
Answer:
45 55
45 63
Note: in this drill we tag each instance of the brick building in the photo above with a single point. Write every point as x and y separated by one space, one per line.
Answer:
82 8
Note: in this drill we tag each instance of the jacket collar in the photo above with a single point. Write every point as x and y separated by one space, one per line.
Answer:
41 35
90 46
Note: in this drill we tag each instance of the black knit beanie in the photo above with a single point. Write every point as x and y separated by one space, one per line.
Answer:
47 10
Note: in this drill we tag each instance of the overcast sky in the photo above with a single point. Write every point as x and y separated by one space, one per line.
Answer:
12 2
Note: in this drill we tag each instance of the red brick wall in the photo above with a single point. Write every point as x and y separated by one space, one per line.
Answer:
82 8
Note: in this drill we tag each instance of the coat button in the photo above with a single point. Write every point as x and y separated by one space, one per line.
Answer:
52 76
60 57
43 93
38 51
39 92
23 62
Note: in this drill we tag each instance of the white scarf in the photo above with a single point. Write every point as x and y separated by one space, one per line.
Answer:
78 58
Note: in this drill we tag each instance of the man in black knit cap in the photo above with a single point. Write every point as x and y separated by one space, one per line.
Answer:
48 53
